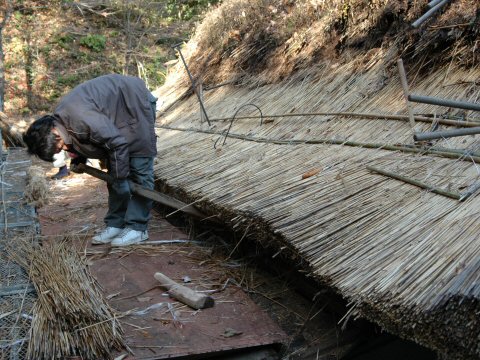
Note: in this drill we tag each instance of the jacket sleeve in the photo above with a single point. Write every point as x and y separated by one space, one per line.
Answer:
97 129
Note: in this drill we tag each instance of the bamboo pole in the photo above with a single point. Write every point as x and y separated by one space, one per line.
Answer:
444 102
415 182
405 148
433 3
429 13
472 190
445 134
424 119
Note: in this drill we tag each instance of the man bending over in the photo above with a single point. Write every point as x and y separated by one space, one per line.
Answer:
110 117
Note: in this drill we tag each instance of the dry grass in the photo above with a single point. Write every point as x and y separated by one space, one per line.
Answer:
265 41
12 128
37 190
70 316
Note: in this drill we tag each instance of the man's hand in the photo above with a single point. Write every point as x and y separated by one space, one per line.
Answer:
77 168
75 162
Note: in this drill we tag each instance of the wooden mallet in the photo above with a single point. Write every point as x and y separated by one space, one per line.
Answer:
184 294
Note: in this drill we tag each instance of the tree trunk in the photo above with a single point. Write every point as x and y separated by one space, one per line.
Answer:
2 73
128 32
6 14
29 71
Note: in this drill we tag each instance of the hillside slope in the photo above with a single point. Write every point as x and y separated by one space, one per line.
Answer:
52 46
265 41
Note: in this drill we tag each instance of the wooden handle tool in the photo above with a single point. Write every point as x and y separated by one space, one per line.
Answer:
184 294
146 193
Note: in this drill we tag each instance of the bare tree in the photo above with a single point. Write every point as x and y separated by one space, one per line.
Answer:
5 13
135 27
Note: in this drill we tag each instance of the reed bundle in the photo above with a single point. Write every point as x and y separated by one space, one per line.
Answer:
406 258
12 128
36 191
70 316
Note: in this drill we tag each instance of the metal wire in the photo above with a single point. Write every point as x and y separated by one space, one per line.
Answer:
17 295
225 133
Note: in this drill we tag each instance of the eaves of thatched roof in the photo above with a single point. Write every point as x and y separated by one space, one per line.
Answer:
404 257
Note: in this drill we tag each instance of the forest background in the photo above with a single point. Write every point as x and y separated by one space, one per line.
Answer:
49 47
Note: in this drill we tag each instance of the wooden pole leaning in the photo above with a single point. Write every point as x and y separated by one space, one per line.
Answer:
146 193
403 81
200 94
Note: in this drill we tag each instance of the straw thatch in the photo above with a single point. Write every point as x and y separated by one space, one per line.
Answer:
37 190
404 257
13 127
70 317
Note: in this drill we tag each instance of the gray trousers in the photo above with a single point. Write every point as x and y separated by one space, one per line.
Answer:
129 210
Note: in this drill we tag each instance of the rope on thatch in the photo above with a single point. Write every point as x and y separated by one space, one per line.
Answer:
425 119
36 190
70 316
447 153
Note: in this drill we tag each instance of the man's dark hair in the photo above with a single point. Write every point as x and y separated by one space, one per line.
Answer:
40 139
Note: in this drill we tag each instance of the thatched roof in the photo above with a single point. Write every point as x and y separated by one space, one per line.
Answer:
404 257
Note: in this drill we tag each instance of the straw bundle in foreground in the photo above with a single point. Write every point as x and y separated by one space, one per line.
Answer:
70 316
36 190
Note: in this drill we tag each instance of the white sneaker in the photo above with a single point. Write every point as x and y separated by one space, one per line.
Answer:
129 236
106 235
